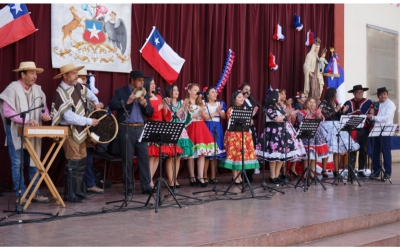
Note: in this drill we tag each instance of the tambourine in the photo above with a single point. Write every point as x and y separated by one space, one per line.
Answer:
139 93
106 130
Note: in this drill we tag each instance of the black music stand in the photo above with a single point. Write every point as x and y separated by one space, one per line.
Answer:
18 207
240 122
352 123
308 129
161 132
380 131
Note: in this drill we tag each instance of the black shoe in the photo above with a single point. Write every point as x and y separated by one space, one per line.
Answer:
202 184
284 179
83 195
361 173
103 155
149 191
194 183
277 181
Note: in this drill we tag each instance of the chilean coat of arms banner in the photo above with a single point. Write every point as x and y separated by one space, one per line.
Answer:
97 36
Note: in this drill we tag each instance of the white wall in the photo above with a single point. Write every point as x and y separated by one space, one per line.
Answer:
356 18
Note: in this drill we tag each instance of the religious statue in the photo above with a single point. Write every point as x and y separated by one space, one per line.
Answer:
313 68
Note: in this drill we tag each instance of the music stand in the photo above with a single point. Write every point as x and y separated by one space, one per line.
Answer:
161 132
352 123
239 121
385 130
308 129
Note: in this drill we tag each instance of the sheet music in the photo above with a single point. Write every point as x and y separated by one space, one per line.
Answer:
387 130
345 118
141 136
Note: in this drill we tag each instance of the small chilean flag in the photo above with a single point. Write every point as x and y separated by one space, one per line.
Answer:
15 24
161 57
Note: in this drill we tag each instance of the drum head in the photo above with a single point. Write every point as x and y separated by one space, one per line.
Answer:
139 93
107 128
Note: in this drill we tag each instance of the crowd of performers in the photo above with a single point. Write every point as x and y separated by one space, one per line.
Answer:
203 138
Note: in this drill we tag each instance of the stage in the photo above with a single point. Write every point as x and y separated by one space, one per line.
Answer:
272 219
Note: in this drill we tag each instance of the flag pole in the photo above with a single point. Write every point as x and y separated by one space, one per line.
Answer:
147 39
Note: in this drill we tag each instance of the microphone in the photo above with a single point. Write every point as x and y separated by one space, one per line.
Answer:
326 103
42 104
122 102
158 90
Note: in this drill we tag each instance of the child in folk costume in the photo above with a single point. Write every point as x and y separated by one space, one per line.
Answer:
184 142
216 111
203 142
161 112
279 138
233 145
318 145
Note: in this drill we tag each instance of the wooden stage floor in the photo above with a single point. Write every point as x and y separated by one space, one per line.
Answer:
270 219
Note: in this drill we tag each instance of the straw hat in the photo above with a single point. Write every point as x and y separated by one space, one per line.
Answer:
28 66
82 72
68 68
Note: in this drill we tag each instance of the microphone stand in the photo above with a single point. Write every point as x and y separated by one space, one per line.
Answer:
175 118
18 208
264 184
125 200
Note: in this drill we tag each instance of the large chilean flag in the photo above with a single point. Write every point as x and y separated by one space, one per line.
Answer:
15 23
161 57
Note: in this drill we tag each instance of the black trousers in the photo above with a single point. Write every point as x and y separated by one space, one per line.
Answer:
362 139
128 148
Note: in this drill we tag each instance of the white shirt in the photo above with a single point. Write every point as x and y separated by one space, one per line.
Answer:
212 110
69 117
386 113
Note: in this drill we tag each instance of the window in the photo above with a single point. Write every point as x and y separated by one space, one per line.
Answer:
382 63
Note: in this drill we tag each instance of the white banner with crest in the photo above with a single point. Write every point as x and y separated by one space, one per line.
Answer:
97 36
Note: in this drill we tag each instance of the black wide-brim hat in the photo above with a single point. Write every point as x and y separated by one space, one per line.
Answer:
136 74
381 90
357 87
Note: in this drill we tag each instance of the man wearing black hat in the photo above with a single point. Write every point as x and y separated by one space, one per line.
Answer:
359 106
138 109
384 116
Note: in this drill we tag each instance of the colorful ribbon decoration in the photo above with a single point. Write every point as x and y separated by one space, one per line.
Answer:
225 72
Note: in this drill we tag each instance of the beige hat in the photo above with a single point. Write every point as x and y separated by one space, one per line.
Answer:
82 72
81 82
68 68
28 66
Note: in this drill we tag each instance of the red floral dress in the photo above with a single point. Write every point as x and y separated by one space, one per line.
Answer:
233 148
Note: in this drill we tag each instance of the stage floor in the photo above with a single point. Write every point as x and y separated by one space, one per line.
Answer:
270 219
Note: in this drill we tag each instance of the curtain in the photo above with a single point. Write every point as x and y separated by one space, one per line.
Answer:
202 35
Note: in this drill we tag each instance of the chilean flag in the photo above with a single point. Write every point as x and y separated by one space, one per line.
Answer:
15 24
161 57
336 82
